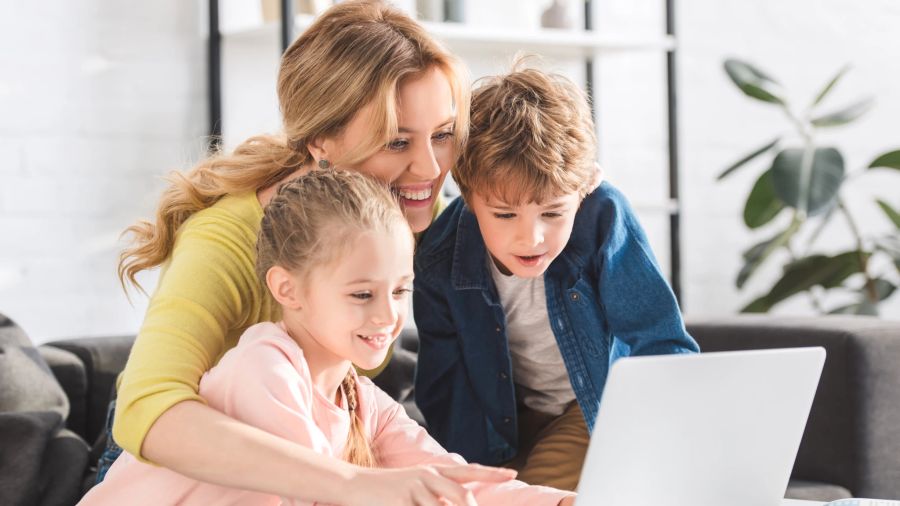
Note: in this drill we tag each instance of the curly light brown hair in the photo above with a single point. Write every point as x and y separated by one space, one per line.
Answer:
531 138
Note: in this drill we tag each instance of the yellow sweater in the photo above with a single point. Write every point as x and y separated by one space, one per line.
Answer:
207 295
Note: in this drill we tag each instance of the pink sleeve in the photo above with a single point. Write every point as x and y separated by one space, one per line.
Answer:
401 442
265 389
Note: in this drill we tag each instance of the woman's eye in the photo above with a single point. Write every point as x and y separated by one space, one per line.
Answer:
504 216
397 145
361 295
402 292
552 215
443 136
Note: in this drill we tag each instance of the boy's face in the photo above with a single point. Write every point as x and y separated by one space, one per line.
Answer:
524 239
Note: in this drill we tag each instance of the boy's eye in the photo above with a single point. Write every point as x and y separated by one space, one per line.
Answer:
361 295
504 216
397 145
552 215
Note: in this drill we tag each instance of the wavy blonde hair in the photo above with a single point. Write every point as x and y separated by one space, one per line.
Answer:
531 138
356 53
311 222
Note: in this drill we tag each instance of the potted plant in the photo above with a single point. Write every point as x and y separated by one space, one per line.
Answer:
806 180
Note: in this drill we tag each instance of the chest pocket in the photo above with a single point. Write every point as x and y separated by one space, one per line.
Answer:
588 322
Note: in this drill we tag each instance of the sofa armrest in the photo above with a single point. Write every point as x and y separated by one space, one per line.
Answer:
103 359
69 372
852 438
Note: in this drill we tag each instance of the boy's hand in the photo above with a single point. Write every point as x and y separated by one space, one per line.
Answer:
421 485
568 501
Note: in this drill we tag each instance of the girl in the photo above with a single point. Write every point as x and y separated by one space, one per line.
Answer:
364 88
336 254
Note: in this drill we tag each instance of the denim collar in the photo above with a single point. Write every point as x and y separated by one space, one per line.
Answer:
469 270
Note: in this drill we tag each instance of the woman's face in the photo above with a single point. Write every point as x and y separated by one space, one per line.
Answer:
415 162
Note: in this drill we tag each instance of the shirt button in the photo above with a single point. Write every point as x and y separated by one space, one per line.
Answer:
502 375
507 420
575 296
497 329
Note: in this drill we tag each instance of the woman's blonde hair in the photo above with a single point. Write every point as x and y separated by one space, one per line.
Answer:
311 222
531 138
356 53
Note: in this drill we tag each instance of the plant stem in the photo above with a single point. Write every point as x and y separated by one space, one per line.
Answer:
861 254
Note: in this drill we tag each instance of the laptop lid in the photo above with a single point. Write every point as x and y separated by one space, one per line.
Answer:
707 429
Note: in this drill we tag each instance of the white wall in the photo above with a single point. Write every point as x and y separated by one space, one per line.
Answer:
98 99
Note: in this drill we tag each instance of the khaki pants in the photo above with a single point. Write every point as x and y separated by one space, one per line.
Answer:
551 448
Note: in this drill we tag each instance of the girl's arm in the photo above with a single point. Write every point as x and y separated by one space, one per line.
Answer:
265 383
399 442
202 443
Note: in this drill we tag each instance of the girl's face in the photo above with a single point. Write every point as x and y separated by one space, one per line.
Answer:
416 162
354 307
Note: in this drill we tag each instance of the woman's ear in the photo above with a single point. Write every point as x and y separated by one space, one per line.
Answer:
319 148
284 287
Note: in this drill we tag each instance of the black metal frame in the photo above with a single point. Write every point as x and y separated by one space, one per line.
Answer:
214 78
674 192
287 28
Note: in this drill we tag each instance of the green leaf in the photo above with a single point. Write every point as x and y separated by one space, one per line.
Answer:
762 204
752 81
845 115
736 165
805 273
822 186
759 305
889 160
830 85
864 308
892 214
883 288
757 254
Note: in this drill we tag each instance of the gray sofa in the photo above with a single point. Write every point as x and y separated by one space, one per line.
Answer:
53 402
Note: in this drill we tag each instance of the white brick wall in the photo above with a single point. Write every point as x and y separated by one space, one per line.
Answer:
98 99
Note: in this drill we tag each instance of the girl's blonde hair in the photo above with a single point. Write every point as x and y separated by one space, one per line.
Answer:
356 53
311 222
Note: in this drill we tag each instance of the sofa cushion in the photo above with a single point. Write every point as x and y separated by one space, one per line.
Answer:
26 382
24 440
71 375
815 491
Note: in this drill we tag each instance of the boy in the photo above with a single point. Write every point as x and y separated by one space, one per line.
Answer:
529 286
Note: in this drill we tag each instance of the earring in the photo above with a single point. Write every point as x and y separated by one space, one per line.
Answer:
324 164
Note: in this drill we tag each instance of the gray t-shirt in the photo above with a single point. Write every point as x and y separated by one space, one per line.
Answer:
542 382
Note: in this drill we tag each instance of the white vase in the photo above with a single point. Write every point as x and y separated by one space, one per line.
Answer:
557 15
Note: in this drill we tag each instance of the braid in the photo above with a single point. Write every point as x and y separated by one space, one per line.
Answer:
358 450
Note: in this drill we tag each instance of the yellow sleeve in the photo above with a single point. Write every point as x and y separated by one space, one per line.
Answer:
207 292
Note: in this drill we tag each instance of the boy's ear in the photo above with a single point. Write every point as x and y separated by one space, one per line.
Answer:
283 286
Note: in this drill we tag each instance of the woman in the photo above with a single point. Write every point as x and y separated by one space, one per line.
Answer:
363 88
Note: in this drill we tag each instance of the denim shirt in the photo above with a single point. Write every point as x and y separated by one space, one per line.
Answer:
606 298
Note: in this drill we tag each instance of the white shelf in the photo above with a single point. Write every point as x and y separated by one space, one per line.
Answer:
544 41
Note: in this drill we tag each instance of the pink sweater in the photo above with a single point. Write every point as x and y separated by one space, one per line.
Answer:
265 382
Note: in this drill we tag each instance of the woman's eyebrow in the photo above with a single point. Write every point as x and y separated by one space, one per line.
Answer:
407 130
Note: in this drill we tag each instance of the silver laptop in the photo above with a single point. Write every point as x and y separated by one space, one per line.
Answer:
712 429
